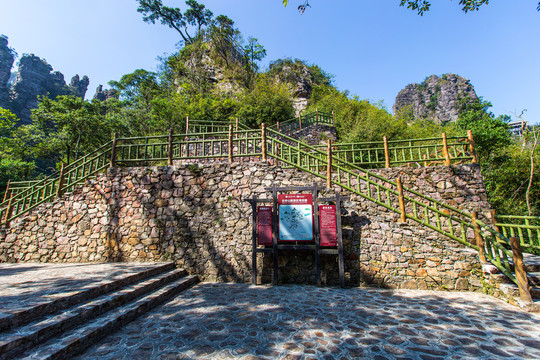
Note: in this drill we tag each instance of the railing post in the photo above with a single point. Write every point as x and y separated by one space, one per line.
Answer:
263 141
236 128
9 211
478 238
425 161
519 269
7 190
471 146
230 144
401 198
278 127
317 118
113 151
171 135
333 119
386 153
300 121
446 154
494 220
329 165
187 124
61 180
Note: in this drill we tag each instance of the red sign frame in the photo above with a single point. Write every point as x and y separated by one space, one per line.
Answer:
264 225
328 225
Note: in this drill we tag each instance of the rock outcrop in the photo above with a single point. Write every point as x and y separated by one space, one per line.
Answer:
103 95
35 77
79 86
435 98
6 62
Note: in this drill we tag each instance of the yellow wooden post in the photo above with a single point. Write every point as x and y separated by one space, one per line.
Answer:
471 146
329 164
278 126
9 211
113 151
170 159
61 179
446 154
230 144
401 198
519 269
263 142
7 190
236 124
386 152
187 124
478 238
300 121
317 119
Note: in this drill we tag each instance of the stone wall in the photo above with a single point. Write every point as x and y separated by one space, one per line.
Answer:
195 215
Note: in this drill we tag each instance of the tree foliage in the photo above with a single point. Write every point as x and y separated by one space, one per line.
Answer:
196 16
420 6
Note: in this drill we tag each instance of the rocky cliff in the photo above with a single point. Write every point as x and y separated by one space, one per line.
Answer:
6 62
103 95
436 98
35 77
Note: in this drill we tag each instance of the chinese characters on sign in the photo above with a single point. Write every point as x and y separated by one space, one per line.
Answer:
295 217
327 221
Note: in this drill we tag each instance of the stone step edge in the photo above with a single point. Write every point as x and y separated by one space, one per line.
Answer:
25 316
35 333
77 340
513 289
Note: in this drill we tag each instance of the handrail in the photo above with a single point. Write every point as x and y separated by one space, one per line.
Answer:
526 228
451 222
447 220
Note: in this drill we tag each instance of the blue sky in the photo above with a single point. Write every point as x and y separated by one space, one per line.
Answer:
373 47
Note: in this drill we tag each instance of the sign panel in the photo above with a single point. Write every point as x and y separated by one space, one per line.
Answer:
295 217
327 222
264 225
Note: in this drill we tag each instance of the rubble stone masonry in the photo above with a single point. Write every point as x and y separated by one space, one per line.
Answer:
195 215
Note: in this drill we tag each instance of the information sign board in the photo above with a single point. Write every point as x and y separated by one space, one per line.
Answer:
264 225
327 221
295 217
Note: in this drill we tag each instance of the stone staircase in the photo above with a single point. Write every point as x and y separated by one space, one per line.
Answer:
510 289
68 324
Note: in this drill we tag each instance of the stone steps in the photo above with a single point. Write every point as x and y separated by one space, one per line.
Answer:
65 332
23 316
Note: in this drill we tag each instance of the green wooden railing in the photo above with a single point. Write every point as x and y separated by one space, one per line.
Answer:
449 221
424 152
303 121
444 219
526 228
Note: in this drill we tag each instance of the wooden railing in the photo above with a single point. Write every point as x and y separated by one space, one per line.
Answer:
303 121
422 152
456 224
526 228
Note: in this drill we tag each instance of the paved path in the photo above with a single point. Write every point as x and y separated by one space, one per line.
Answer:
221 321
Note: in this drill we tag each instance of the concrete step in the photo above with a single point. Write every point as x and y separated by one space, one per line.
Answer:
77 340
22 338
532 262
63 301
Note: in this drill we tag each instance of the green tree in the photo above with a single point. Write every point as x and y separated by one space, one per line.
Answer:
491 134
420 6
196 15
268 102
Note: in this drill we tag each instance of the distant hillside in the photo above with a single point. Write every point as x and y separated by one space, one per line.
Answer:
35 77
436 98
